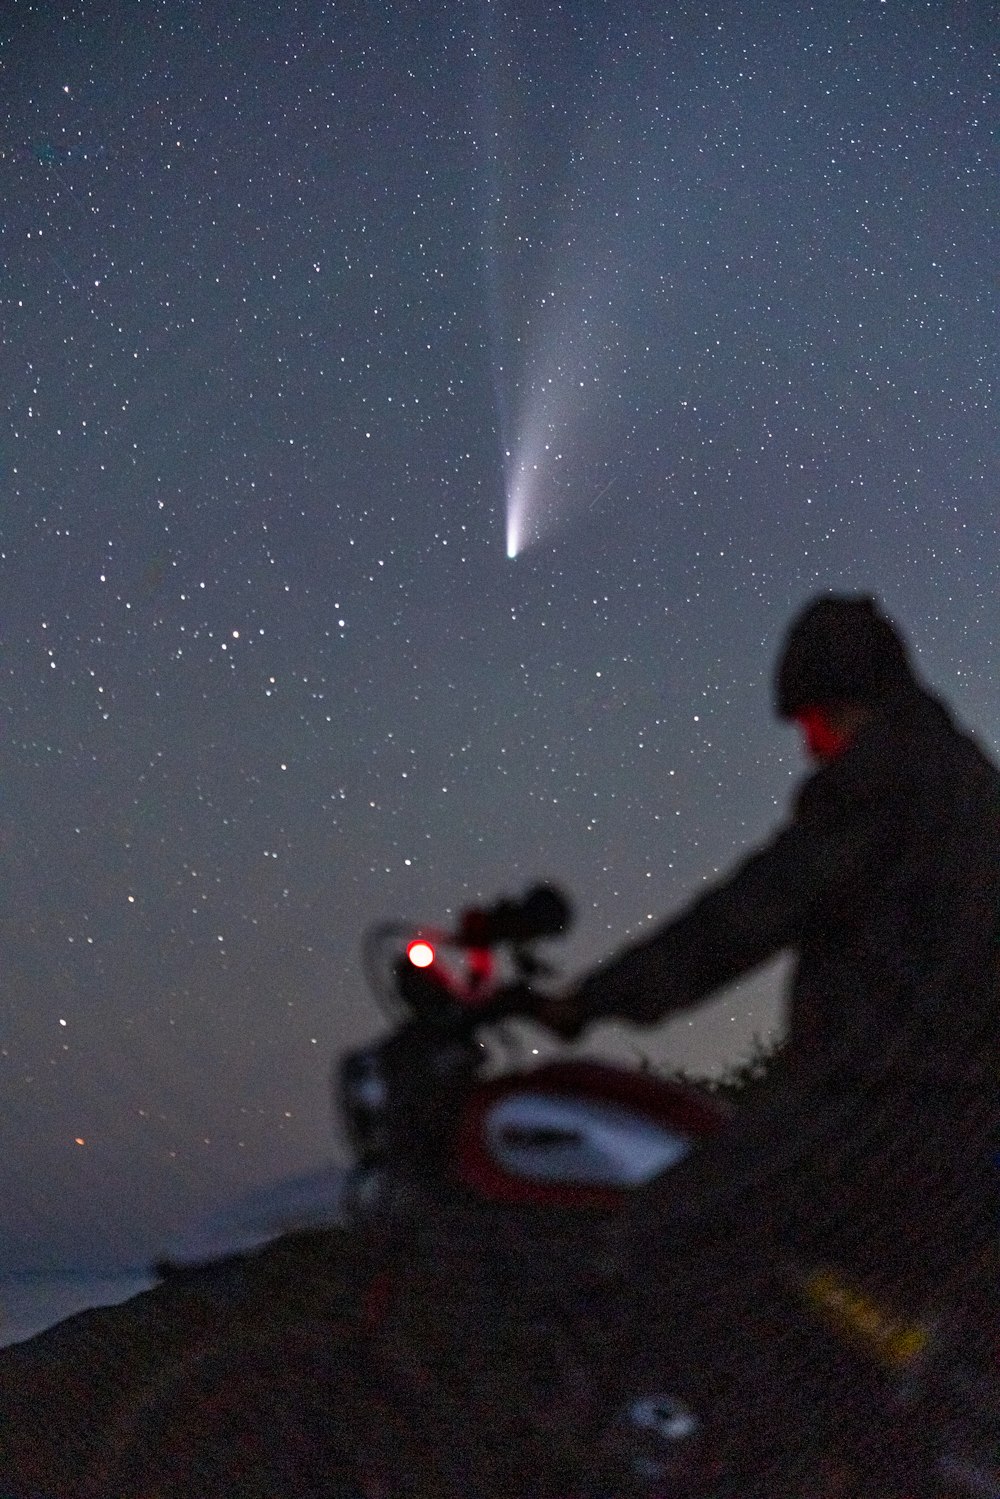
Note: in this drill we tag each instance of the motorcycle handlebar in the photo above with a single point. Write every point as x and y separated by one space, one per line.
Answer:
555 1012
434 989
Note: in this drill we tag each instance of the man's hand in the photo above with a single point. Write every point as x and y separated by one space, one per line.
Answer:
563 1014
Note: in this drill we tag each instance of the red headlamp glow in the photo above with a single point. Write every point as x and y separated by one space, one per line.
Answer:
824 740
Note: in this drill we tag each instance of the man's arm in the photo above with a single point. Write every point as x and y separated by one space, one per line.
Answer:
730 930
837 846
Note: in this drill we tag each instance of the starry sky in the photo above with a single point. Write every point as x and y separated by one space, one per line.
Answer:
420 422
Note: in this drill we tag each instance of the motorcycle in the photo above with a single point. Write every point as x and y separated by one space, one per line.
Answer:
550 1151
422 1120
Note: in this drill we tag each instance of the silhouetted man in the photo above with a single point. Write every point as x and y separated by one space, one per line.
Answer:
871 1145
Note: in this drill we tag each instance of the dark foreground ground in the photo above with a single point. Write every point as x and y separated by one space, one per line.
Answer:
75 1398
90 1409
68 1397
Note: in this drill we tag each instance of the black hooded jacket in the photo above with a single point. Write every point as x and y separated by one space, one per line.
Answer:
885 886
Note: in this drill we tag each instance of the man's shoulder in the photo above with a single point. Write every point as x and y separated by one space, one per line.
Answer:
912 750
937 739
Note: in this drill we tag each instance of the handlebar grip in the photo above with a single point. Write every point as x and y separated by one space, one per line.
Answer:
556 1012
513 999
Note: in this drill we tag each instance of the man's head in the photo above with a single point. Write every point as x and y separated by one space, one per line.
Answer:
842 660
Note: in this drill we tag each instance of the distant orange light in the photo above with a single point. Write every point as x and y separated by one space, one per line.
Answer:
80 1141
420 954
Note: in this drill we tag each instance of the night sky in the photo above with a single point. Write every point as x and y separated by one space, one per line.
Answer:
309 320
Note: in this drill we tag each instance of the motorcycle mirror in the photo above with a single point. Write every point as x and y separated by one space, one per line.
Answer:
543 912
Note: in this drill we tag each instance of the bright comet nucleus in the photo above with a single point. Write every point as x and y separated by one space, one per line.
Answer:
511 531
522 480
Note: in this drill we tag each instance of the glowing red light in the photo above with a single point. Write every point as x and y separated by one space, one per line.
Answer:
420 954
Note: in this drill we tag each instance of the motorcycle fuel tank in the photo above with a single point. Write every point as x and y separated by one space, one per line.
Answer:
577 1134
